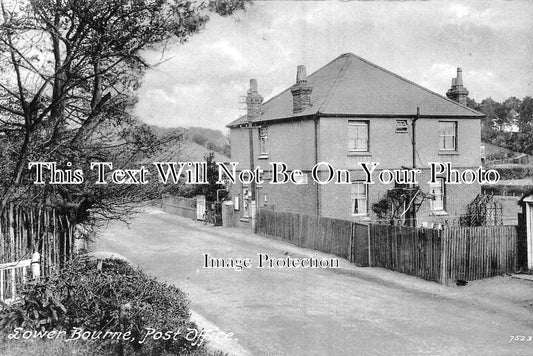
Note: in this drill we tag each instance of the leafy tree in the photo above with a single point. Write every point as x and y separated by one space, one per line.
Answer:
511 111
69 71
525 112
212 190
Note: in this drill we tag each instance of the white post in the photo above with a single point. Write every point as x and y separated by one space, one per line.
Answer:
36 265
252 213
13 283
2 284
529 232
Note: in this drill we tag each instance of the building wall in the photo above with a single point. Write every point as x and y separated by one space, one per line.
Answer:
290 142
293 143
392 151
335 200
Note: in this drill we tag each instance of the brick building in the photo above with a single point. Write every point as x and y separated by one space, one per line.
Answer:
352 111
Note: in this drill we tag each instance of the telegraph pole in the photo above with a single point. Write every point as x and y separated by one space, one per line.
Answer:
413 126
413 190
253 110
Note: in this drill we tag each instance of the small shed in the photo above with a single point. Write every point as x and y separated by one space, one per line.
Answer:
527 226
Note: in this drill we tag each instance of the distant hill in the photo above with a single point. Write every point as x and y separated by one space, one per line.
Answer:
185 151
212 140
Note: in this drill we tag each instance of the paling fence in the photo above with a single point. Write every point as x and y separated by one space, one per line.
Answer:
25 230
319 233
479 252
465 253
410 250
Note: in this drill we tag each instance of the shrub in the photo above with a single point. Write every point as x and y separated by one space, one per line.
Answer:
112 297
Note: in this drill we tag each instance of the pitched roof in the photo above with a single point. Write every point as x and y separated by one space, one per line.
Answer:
350 85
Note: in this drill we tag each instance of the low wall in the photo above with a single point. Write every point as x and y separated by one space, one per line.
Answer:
181 206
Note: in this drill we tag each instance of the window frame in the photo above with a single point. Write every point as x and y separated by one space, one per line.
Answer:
353 199
399 129
245 203
442 187
443 136
354 123
263 141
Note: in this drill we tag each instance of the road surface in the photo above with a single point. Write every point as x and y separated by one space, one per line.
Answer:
281 311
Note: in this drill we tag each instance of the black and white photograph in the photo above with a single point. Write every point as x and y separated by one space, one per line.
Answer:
266 177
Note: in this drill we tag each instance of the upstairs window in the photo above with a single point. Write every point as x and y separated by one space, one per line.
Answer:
401 126
263 141
359 196
358 136
448 135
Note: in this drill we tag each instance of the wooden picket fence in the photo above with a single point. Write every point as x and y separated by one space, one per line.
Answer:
410 250
319 233
25 230
472 253
447 255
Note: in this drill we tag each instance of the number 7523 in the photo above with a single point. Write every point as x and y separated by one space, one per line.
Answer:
520 338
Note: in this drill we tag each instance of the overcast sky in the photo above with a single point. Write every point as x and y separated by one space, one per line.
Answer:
202 81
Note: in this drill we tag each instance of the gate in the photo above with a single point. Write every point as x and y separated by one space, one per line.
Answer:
14 273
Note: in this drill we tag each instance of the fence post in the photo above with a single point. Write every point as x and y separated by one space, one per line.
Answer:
36 265
11 219
369 247
350 245
443 255
1 284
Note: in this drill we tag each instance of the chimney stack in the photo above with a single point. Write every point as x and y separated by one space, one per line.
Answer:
253 101
458 92
301 91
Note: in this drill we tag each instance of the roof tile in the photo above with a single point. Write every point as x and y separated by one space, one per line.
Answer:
351 85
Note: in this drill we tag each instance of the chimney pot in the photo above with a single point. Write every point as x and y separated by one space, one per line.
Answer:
301 91
459 80
301 75
253 101
253 86
458 92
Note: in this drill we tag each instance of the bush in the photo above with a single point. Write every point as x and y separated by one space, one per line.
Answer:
113 297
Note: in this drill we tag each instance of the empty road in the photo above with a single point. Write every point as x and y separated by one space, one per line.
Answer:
282 311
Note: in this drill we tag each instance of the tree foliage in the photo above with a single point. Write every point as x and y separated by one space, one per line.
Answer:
212 190
69 71
507 124
115 297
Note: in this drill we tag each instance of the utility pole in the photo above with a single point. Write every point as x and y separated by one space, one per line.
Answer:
253 110
413 189
251 145
413 127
